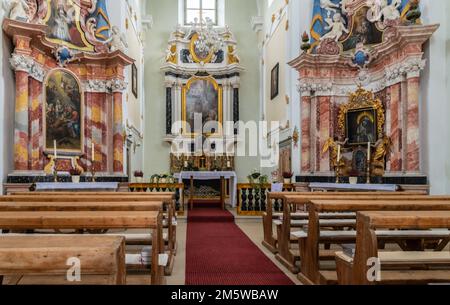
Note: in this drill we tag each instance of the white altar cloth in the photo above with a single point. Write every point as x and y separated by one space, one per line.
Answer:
85 186
213 176
353 187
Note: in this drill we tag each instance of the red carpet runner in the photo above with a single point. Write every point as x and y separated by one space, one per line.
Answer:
219 253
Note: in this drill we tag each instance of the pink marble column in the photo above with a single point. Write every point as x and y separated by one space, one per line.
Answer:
306 134
118 138
324 122
21 132
395 134
413 133
35 122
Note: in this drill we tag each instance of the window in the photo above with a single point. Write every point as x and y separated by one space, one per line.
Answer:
200 9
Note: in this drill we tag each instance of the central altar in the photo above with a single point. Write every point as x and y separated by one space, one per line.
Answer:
223 176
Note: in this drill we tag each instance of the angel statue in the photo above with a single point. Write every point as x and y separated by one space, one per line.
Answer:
117 41
381 9
382 150
171 53
17 9
336 26
329 6
332 146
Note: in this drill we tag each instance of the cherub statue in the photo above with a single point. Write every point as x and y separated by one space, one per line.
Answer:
117 41
17 9
329 6
233 57
382 150
336 26
171 53
381 9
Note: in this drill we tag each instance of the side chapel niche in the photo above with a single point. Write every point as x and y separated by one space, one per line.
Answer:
360 83
69 69
202 79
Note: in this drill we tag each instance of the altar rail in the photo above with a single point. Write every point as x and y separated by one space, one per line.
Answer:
178 188
252 198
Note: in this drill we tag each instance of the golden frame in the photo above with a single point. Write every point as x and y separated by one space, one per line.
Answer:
362 100
65 152
88 46
194 55
219 90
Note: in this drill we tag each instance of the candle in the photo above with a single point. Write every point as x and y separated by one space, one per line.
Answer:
93 152
54 150
368 151
228 164
339 153
185 164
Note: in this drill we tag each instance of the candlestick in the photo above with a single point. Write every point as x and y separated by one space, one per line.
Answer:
93 153
54 149
368 151
339 154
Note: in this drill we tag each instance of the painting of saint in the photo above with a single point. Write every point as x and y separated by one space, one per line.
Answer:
63 112
362 126
362 31
202 99
64 24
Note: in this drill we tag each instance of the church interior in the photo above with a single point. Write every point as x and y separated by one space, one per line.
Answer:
224 142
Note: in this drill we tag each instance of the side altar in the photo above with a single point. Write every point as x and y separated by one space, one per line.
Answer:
69 65
359 81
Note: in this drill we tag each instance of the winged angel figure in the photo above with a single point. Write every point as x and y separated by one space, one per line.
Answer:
117 41
336 27
17 9
381 9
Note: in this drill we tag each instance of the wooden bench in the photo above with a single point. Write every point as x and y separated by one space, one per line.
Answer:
169 221
270 241
422 267
310 246
149 220
293 203
102 256
131 239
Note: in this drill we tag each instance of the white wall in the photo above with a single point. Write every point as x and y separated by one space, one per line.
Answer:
7 101
435 107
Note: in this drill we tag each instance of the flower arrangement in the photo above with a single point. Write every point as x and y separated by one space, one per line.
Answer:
138 174
288 175
75 172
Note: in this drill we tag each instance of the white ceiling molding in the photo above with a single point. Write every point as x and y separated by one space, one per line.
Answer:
257 23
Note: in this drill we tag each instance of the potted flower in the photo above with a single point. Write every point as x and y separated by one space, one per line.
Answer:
75 173
139 175
287 177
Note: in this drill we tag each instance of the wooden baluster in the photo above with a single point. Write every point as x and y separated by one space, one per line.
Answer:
244 203
250 199
263 204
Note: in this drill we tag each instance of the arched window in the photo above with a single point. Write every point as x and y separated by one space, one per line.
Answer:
201 9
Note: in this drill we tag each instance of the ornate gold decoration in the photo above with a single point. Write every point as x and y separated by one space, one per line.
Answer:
231 57
382 151
362 99
196 57
172 57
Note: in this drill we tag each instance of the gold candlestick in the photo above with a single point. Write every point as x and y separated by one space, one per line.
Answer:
93 171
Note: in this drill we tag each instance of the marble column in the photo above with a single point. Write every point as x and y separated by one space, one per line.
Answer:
395 127
413 132
21 133
324 132
306 134
118 137
35 121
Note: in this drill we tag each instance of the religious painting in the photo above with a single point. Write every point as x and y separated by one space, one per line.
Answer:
362 31
362 126
275 81
134 82
202 101
63 112
63 19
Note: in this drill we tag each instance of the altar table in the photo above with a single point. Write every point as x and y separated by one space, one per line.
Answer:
85 186
339 187
222 176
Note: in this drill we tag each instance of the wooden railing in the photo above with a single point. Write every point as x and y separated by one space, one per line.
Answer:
252 198
178 188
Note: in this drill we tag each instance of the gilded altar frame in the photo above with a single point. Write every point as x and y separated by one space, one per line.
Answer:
219 90
362 100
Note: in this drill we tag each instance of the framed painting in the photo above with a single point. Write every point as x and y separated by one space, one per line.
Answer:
134 80
362 126
275 81
63 112
202 104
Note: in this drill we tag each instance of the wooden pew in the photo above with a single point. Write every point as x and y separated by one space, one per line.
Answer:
397 267
149 220
270 242
48 255
309 246
292 202
167 198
